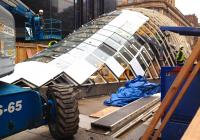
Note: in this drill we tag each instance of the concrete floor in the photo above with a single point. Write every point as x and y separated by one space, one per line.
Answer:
92 105
42 133
86 107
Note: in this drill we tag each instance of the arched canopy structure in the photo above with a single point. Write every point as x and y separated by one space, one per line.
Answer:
115 47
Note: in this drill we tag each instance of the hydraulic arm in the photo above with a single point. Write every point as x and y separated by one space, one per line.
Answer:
36 28
18 7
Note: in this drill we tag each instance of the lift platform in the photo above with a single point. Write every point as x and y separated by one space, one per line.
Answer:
36 27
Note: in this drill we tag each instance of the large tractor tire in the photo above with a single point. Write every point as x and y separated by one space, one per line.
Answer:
64 124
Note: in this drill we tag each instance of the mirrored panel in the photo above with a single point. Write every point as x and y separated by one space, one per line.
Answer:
80 71
126 54
115 67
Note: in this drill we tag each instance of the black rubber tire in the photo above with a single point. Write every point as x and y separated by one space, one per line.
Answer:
66 121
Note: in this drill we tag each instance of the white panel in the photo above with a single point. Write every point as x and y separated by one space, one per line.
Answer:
40 73
115 66
101 55
66 60
134 21
135 13
137 67
60 63
16 75
113 44
93 60
73 62
99 37
86 47
124 34
80 71
119 20
110 28
141 15
63 61
34 72
133 27
93 42
105 32
78 53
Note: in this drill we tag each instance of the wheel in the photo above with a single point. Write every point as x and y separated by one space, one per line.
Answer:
64 124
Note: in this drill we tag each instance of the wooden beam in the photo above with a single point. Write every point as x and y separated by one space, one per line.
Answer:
192 133
125 2
1 47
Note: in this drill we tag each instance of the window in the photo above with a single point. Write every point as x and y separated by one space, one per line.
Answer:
123 33
133 41
146 57
124 52
94 61
149 50
120 60
107 50
113 44
101 55
132 50
139 40
118 39
142 62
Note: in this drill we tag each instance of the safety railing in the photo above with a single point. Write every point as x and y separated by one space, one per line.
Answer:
51 29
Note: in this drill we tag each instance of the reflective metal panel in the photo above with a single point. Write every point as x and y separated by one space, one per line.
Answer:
115 66
93 42
34 72
63 62
105 32
86 47
80 71
94 61
137 67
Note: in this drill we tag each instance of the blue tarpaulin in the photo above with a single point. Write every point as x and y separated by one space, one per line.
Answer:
133 90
